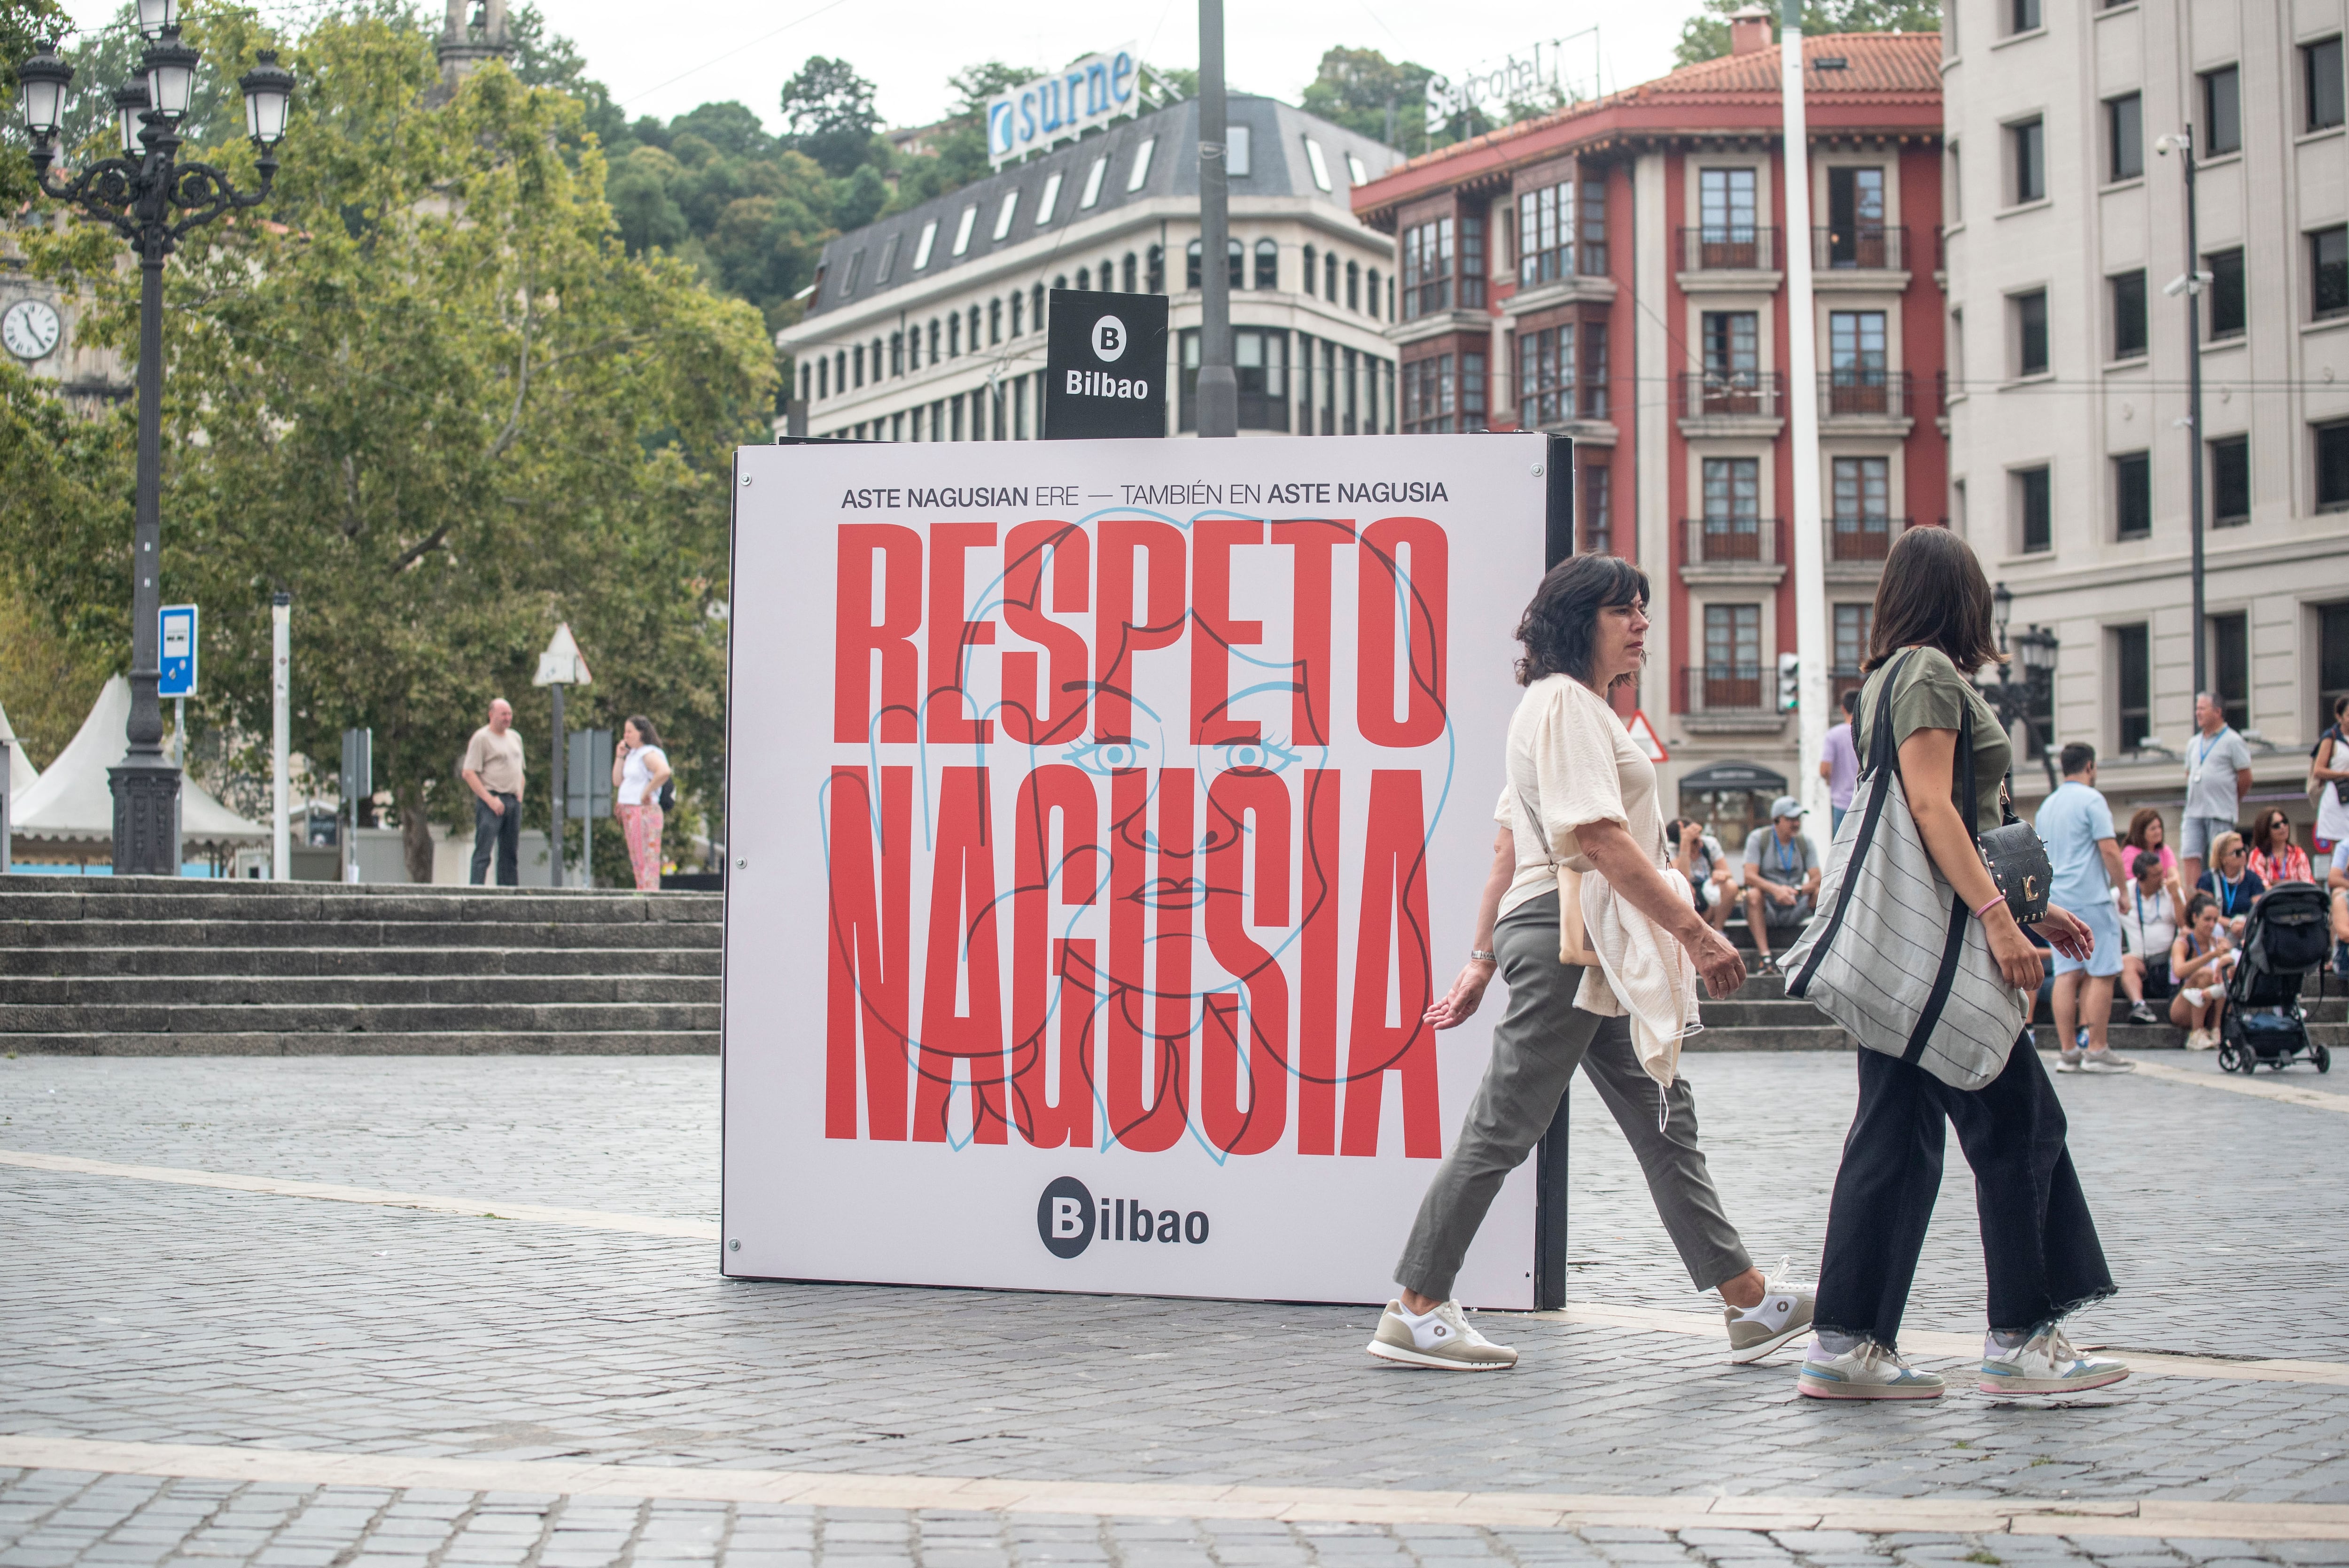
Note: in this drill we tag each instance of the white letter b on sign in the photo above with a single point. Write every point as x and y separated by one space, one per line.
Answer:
1068 1217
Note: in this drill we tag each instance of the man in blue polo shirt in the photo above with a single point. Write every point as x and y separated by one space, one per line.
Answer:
2078 827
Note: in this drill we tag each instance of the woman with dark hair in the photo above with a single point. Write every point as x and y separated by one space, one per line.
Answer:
2039 1244
638 773
2147 832
1578 793
2274 857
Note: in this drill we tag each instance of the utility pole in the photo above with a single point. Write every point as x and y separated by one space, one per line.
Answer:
1219 387
281 734
1802 425
2190 287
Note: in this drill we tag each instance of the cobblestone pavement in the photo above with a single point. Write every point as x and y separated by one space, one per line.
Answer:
143 1313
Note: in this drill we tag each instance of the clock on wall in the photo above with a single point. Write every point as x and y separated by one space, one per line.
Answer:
29 329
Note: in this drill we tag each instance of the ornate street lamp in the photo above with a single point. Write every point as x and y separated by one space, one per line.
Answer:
2034 649
152 199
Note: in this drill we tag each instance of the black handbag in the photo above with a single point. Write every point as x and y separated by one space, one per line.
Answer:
668 800
2013 853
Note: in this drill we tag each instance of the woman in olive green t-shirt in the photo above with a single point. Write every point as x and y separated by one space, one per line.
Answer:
2040 1247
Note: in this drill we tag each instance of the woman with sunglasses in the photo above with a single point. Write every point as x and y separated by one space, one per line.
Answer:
2274 858
2231 884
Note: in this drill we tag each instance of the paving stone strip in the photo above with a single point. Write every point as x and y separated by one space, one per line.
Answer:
2132 1517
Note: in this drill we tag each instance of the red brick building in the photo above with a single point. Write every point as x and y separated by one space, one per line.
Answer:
1617 271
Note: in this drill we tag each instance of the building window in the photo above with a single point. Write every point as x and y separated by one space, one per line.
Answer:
1085 280
1855 219
2230 481
2128 293
2124 138
1353 285
1129 272
2026 143
2231 667
1853 625
2328 272
1309 281
1725 234
2320 69
1545 235
995 321
1154 270
1598 510
1190 266
2331 659
822 379
2022 16
2030 311
1329 277
2332 466
1140 173
2133 495
856 366
1732 349
1267 264
1259 363
1317 164
1861 528
1732 509
1856 370
1429 398
1240 152
1373 296
1733 657
2229 309
1594 370
1471 391
1591 257
2222 111
1546 375
896 354
2132 685
1427 269
2032 510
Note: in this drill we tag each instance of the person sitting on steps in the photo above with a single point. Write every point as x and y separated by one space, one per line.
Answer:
1781 878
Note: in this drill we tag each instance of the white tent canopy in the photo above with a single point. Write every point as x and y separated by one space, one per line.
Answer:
72 802
21 771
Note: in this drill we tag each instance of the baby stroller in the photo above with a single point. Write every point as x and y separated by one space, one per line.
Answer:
2284 941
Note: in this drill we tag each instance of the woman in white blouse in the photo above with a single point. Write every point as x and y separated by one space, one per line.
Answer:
1580 794
637 773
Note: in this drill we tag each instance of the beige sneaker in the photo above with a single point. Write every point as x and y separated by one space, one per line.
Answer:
1785 1311
1444 1339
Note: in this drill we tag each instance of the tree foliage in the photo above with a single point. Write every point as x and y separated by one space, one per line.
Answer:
1705 35
435 398
1371 95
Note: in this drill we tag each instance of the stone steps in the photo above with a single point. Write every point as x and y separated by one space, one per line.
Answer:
161 966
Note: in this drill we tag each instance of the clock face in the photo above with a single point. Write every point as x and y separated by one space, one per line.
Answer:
29 329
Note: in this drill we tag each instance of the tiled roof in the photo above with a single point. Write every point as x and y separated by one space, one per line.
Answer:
1885 65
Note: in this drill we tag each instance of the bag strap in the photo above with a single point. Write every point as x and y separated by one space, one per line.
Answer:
1880 751
1953 944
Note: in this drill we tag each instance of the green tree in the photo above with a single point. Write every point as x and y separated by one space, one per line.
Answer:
439 401
1705 35
957 153
1371 94
828 115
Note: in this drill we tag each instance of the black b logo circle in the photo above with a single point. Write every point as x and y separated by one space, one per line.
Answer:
1064 1217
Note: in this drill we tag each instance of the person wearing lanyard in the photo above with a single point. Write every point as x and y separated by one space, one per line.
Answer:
2148 925
2231 884
2218 777
1782 878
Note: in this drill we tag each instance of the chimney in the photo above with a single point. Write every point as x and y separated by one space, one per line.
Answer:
1749 30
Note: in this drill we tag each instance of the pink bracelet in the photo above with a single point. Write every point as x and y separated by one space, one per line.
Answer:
1989 902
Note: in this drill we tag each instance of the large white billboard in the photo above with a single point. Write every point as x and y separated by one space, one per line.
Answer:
1101 818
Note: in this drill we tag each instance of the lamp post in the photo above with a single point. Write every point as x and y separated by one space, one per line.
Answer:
152 199
2036 647
2187 286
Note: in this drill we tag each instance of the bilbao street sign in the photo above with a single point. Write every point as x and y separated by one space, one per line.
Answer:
176 626
1104 365
1062 107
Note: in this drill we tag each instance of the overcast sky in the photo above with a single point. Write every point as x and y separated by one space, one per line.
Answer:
662 62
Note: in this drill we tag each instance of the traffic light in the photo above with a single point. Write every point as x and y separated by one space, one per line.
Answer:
1790 682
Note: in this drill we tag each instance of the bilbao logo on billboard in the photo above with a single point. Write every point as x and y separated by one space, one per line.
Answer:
1069 1219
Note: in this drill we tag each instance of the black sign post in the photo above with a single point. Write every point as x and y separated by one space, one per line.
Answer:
1104 365
1550 1154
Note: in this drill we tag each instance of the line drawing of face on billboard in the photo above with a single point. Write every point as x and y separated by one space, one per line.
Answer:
1178 814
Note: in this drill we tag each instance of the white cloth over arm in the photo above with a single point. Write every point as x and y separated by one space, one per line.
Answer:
1642 971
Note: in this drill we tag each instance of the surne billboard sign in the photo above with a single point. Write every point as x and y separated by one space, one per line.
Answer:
1064 106
1102 818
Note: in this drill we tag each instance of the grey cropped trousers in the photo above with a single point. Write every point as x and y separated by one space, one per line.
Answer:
1537 1046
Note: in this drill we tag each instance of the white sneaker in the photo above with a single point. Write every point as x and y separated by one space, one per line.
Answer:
1784 1312
2106 1062
1442 1338
2045 1364
2068 1061
2202 1040
1865 1371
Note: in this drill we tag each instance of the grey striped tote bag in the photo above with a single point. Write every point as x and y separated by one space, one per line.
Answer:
1893 956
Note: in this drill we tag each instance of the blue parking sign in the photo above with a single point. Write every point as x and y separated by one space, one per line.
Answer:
177 623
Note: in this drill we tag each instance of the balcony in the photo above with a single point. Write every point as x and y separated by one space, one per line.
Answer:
1733 690
1865 248
1852 394
1732 395
1734 541
1863 539
1734 248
